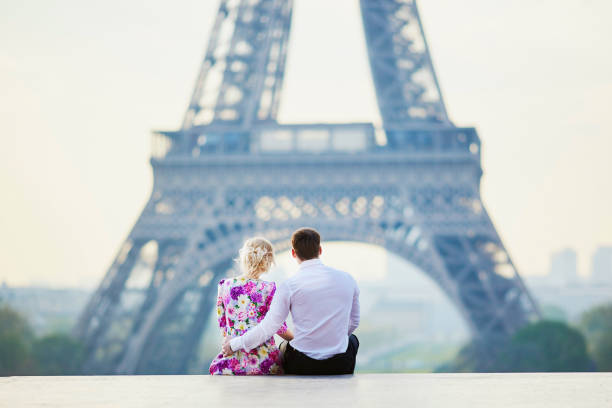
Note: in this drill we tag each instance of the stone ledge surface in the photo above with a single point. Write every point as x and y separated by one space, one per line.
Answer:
558 390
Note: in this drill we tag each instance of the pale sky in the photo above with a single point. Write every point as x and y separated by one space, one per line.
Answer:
84 82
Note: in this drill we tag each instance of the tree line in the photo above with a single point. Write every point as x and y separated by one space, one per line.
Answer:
542 346
24 353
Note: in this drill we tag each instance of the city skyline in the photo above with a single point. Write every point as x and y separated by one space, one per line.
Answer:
76 170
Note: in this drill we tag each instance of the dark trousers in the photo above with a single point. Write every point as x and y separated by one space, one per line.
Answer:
298 363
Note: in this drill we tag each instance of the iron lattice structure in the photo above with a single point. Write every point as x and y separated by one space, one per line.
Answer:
232 171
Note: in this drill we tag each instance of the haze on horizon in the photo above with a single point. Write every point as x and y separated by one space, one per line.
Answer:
84 83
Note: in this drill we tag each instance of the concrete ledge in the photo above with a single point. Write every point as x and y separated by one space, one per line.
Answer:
560 390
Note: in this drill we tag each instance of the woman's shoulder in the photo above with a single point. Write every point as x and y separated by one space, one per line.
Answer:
262 286
227 283
241 281
237 280
266 284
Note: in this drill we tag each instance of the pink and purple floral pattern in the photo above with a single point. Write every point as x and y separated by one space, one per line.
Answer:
241 304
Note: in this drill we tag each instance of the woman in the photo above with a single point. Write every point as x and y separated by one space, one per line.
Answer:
242 302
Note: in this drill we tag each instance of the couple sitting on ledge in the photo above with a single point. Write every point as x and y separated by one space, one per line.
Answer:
324 305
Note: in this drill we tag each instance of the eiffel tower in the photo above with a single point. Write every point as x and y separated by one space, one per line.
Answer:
232 171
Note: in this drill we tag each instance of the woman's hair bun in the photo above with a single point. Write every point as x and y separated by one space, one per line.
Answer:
256 256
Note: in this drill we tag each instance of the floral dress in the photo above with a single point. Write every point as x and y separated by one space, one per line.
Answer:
241 304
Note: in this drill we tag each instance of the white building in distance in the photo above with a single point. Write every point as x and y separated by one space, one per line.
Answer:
601 266
563 267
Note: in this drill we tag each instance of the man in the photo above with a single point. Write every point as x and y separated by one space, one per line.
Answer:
324 305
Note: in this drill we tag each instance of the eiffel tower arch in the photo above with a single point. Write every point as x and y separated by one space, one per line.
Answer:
232 171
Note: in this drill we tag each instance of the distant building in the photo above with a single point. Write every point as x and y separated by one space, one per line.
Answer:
563 267
4 292
601 266
562 290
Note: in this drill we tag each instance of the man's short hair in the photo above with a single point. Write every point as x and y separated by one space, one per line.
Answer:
306 243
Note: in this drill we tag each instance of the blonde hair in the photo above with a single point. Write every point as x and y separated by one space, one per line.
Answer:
256 257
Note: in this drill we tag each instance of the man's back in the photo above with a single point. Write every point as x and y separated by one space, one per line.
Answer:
324 307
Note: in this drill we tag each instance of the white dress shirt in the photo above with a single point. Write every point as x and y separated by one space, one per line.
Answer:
324 305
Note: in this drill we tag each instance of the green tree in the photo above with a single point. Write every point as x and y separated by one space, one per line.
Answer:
596 324
543 346
474 357
57 354
552 312
546 346
15 342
